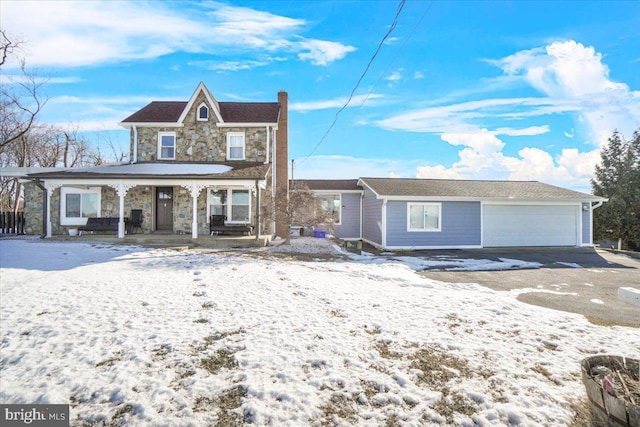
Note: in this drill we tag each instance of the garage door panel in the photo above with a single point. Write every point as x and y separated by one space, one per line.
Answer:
529 225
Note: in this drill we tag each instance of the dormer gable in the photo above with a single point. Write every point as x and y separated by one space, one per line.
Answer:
213 106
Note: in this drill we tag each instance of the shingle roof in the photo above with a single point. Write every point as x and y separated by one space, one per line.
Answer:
472 189
249 112
328 184
232 112
158 112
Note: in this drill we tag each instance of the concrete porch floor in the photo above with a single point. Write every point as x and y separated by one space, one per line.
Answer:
172 240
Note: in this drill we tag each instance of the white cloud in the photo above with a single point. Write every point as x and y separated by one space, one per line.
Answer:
482 158
304 107
418 75
575 73
395 75
322 52
88 33
229 65
530 131
21 78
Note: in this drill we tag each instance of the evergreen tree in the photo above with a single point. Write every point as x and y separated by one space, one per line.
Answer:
617 178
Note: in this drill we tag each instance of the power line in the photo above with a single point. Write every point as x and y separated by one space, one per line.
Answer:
335 119
415 27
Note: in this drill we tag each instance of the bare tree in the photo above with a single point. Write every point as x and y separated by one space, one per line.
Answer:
302 208
7 46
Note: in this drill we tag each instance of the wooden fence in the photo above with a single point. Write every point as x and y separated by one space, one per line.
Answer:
12 222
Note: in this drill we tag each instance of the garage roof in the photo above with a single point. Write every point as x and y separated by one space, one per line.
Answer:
390 187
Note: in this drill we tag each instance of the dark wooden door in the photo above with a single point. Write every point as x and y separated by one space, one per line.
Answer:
164 208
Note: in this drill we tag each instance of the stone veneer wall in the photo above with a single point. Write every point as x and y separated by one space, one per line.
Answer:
200 141
141 197
33 208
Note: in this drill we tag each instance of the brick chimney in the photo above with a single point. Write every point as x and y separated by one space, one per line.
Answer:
282 163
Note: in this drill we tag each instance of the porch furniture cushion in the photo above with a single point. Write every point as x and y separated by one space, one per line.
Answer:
217 226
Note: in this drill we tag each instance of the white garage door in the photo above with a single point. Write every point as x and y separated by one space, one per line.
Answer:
528 225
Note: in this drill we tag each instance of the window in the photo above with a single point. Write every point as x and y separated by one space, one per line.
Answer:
203 113
424 216
331 204
235 146
166 145
234 204
76 205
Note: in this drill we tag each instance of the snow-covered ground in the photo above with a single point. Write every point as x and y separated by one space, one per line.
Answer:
151 337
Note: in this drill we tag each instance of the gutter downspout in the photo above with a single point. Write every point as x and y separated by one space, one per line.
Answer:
361 213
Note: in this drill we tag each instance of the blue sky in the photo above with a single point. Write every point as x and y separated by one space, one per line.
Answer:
470 90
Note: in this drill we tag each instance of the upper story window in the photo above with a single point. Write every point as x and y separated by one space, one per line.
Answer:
235 146
166 145
424 217
76 205
203 112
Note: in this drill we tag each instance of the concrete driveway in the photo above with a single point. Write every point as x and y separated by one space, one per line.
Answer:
577 280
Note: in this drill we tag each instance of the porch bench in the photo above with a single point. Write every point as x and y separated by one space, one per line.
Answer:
217 226
101 224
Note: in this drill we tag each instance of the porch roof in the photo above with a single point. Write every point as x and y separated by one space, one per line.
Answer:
158 170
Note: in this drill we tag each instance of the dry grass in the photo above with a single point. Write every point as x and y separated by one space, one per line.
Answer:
223 358
582 417
438 367
545 373
610 322
339 406
451 403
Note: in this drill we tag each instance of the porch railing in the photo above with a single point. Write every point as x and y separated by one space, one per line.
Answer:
12 222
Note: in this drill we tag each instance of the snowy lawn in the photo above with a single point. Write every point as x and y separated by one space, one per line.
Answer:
141 337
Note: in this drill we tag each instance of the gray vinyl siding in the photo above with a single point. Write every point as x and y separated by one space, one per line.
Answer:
461 225
372 217
586 224
349 227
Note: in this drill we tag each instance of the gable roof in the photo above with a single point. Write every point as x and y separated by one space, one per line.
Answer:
227 112
328 184
481 189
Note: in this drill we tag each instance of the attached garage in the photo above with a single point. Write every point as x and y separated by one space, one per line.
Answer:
530 225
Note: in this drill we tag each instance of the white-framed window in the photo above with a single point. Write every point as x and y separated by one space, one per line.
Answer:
332 205
424 216
78 204
235 146
233 203
203 113
166 145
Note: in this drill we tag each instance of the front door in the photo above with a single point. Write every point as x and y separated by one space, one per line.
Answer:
164 208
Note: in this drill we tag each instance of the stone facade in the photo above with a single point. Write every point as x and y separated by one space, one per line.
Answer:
196 141
201 141
33 208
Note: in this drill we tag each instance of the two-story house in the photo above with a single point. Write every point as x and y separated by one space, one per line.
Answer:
188 160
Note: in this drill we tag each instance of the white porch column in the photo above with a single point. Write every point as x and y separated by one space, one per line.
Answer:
48 230
194 189
121 193
51 187
121 188
194 211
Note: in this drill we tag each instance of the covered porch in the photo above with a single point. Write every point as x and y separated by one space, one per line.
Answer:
175 199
